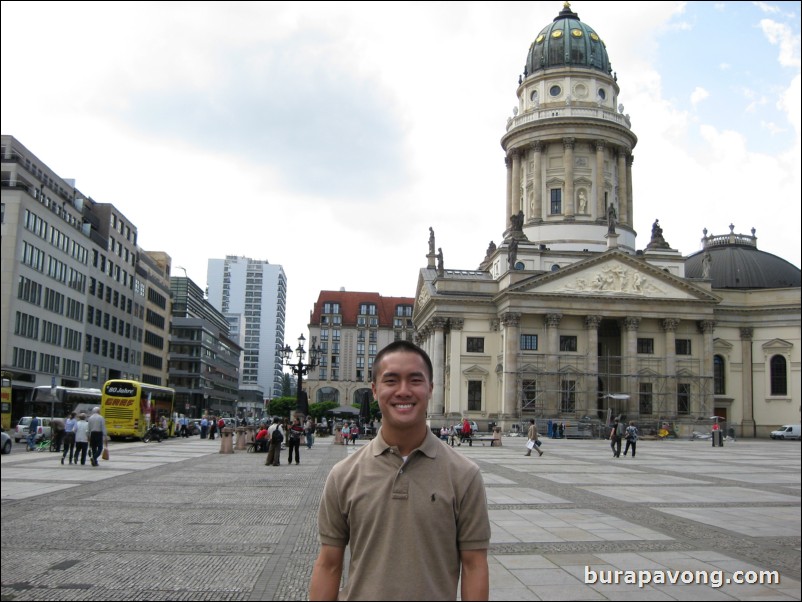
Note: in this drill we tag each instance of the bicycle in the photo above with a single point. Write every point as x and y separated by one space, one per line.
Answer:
45 445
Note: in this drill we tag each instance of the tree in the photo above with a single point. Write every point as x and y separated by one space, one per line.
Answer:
286 385
318 410
282 406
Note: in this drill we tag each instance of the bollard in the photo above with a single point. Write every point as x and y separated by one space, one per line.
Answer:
226 441
496 442
242 438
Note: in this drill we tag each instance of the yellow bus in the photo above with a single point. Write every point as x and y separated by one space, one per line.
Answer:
130 407
6 404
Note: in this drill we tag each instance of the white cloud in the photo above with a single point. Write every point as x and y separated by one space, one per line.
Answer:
328 137
698 95
781 35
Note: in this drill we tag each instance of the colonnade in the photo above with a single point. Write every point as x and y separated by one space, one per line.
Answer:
526 194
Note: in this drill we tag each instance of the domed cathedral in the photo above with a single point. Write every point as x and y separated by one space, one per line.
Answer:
566 320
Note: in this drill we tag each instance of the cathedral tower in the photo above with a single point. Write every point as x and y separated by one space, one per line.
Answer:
569 146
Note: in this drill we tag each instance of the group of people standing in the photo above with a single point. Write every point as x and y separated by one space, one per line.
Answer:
271 439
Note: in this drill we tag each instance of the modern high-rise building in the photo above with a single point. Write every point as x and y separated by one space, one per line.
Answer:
252 295
350 328
566 318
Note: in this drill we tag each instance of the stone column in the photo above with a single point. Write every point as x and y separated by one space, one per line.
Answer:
630 363
670 328
706 327
537 181
552 323
622 184
630 215
438 361
455 392
592 326
568 160
511 323
601 210
516 182
748 427
508 163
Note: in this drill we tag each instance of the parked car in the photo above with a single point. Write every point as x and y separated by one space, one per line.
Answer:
5 442
787 431
21 430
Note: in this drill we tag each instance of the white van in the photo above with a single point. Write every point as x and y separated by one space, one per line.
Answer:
787 431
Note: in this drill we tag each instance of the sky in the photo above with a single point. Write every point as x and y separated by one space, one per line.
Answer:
328 137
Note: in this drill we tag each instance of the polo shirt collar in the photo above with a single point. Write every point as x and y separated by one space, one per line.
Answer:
430 446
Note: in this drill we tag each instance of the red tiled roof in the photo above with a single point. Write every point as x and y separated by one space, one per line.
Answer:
349 306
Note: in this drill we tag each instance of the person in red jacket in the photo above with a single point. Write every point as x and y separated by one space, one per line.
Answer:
261 439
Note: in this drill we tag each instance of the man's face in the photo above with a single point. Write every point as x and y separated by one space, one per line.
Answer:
403 389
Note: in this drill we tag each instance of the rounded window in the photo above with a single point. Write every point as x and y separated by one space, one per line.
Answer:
602 93
533 96
555 90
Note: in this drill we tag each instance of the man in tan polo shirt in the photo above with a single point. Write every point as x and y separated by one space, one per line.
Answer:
412 510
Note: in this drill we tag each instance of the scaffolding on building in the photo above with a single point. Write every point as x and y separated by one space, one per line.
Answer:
572 387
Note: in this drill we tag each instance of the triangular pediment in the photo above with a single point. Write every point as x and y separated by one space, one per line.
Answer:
614 274
722 345
777 345
475 371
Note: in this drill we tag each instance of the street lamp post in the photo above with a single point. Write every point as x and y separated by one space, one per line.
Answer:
301 368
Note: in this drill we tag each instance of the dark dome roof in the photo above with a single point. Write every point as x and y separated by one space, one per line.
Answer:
742 266
567 42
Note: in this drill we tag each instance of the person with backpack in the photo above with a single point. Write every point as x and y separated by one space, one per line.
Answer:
632 438
276 435
616 435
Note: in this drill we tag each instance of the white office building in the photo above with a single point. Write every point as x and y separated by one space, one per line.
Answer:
252 294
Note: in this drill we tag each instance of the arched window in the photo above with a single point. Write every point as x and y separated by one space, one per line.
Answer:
328 394
719 384
779 376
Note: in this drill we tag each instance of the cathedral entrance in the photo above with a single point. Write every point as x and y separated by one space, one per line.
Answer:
609 381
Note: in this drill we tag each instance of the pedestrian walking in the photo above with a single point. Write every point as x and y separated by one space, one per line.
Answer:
69 437
631 435
309 432
616 435
533 441
97 434
81 438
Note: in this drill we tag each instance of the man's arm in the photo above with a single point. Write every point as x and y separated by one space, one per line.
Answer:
327 573
475 575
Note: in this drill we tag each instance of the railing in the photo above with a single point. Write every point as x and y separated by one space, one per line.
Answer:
556 113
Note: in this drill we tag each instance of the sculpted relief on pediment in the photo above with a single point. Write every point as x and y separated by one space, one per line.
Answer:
615 279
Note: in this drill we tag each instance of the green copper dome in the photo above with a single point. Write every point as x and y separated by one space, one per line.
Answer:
567 42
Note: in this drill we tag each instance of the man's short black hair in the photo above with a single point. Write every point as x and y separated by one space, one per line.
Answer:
405 347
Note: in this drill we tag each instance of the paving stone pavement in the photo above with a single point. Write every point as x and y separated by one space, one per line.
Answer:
180 521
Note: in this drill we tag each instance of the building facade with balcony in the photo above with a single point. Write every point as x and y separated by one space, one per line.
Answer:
350 328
